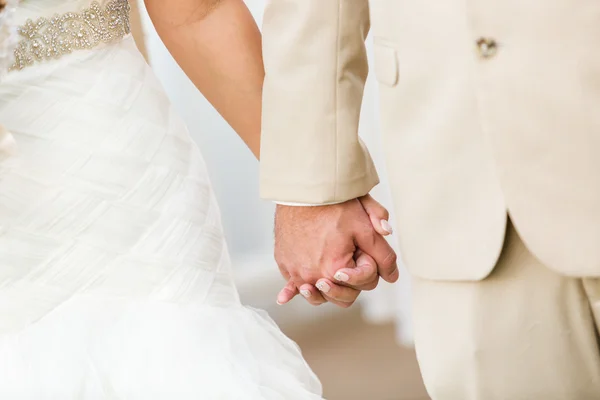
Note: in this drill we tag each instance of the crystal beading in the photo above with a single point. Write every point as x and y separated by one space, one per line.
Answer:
51 38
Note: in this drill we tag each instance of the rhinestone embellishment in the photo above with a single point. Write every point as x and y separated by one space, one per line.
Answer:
51 38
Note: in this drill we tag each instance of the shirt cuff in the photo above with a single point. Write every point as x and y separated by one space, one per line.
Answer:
285 203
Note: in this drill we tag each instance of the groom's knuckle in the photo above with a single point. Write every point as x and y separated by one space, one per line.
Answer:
368 286
308 276
295 274
390 260
372 285
384 214
335 266
366 234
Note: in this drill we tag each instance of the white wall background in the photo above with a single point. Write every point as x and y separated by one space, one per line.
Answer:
247 220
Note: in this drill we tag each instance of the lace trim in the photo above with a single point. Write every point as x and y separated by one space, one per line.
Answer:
51 38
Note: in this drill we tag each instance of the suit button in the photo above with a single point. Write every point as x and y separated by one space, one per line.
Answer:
486 47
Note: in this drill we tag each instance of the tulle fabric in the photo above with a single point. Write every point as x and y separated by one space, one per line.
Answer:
99 348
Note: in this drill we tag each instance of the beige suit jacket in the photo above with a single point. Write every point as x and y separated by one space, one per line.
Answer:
487 107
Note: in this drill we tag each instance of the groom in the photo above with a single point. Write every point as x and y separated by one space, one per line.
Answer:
490 111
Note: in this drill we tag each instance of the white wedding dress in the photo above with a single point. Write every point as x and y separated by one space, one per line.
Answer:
115 281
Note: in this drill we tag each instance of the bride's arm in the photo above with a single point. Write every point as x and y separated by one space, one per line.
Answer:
218 45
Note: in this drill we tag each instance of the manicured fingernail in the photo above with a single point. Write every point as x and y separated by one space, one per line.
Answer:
323 286
279 303
386 226
306 293
342 277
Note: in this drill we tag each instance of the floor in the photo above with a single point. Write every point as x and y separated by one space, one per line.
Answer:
359 361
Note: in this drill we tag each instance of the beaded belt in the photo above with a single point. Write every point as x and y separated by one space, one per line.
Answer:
51 38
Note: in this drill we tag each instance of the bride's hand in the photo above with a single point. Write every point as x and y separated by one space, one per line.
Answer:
378 214
349 282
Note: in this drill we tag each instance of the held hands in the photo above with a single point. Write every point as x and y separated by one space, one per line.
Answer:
332 253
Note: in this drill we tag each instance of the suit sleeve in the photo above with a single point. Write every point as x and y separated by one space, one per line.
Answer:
316 67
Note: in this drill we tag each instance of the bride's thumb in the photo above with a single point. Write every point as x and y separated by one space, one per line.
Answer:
378 215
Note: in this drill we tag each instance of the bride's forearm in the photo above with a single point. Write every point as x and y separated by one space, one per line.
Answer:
218 45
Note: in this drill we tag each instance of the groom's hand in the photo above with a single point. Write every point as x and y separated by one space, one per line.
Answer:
312 244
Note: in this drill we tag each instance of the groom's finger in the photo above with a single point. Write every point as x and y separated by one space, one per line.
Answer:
373 244
362 277
287 293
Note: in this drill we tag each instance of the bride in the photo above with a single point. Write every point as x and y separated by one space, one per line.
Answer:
114 277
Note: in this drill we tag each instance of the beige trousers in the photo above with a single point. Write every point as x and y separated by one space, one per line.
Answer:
524 333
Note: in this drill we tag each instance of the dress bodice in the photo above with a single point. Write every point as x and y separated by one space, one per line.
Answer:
33 9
